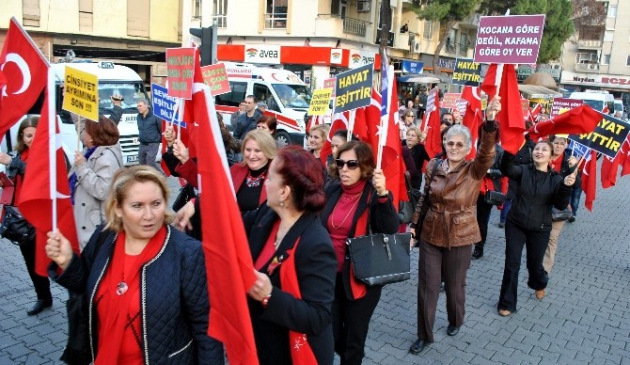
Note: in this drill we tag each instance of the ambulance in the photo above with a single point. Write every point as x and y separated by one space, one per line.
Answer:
601 101
286 96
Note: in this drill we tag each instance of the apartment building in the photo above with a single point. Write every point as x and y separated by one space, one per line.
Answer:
599 57
130 32
320 38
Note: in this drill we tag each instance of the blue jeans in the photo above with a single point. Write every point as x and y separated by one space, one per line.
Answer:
506 208
575 200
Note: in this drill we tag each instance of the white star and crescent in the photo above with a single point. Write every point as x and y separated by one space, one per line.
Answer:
23 66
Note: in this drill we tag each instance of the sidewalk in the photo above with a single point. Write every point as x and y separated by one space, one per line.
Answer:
585 318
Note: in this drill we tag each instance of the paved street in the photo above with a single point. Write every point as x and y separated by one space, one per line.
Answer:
585 318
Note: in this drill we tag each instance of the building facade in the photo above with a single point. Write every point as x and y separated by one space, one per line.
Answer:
599 58
134 33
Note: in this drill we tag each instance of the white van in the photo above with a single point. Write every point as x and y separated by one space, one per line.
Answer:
286 96
600 101
112 79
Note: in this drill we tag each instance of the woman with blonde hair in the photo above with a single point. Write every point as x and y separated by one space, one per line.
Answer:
316 138
145 281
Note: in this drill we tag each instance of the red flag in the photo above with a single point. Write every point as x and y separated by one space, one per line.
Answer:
229 265
609 170
313 121
373 119
472 118
433 143
24 69
582 119
46 192
624 157
533 113
589 179
360 124
511 123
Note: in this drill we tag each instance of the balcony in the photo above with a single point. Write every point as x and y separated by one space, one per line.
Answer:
354 26
587 67
590 44
450 47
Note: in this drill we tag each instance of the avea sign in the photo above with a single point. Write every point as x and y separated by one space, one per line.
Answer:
269 54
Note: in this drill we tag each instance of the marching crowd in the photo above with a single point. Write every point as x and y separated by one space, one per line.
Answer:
142 272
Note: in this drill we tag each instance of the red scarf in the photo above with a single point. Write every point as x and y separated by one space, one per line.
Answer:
301 351
119 332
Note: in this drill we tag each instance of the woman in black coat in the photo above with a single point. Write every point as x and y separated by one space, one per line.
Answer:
538 189
290 303
357 188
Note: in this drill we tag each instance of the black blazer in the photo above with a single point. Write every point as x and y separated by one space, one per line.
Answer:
316 264
383 217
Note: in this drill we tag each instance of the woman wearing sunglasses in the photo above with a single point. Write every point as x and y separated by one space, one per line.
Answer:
450 227
357 187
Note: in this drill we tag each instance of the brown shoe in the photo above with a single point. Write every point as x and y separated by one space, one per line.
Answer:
504 312
540 294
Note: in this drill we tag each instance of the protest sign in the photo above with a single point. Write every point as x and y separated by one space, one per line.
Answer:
578 150
509 39
180 64
412 67
216 78
81 93
560 105
466 72
450 100
164 105
319 102
330 84
607 137
353 88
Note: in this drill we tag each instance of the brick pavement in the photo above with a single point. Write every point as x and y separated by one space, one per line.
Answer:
585 318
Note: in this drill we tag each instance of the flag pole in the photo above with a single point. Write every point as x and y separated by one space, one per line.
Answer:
353 115
78 132
52 143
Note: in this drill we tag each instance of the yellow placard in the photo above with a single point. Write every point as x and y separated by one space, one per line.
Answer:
81 93
320 102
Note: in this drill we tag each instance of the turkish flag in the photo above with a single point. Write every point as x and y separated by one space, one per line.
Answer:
582 119
433 143
472 118
360 129
511 122
589 179
24 68
534 112
313 121
45 197
229 265
624 157
609 170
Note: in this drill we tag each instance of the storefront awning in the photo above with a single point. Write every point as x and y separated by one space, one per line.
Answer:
538 92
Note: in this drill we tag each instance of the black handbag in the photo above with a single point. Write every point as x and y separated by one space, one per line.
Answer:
406 209
186 193
494 197
380 258
558 215
14 226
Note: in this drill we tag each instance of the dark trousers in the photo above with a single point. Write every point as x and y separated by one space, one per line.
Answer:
483 218
536 243
147 152
351 321
41 283
437 264
507 204
575 200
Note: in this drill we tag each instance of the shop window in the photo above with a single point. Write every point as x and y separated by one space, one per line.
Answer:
30 13
138 16
276 14
85 15
235 96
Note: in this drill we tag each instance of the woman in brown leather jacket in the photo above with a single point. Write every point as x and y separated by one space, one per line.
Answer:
450 227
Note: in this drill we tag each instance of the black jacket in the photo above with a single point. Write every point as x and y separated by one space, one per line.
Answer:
383 219
149 128
245 124
175 307
315 265
523 157
536 192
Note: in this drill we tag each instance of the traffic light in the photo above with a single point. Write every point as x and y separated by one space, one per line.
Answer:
207 44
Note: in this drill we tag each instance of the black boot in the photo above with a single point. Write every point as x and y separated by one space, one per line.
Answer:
477 253
39 306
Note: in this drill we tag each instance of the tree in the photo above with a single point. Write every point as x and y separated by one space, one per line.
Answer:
558 22
448 13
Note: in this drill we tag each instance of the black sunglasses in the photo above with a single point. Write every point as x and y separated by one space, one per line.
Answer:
352 164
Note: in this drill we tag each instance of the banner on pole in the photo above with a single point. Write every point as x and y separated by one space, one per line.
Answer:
180 63
164 105
607 138
319 102
353 88
513 39
216 78
81 93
